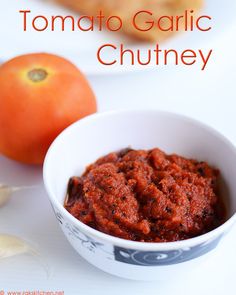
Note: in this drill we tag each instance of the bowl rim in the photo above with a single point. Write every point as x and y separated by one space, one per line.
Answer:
142 246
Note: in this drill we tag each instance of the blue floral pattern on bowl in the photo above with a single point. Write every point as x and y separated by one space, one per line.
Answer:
134 257
155 258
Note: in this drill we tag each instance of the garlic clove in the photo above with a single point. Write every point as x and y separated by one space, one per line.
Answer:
11 246
6 191
5 194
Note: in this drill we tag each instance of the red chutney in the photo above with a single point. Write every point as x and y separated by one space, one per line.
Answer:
147 196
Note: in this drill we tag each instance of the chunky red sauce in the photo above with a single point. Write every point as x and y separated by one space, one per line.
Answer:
147 196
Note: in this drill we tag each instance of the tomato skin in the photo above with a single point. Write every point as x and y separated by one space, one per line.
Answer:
34 112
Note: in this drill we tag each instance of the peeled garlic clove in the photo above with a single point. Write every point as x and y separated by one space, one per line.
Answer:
11 246
6 191
5 194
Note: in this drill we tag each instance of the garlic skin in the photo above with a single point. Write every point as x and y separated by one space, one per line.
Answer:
12 246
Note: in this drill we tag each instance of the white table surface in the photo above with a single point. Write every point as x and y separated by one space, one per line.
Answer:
209 96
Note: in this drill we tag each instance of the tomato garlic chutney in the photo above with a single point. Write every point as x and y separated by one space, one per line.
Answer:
147 196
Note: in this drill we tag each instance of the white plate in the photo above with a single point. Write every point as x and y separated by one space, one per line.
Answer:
81 47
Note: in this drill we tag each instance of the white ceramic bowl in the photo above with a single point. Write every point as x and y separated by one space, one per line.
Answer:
90 138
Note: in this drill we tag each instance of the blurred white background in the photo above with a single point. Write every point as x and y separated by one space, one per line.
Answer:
209 96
